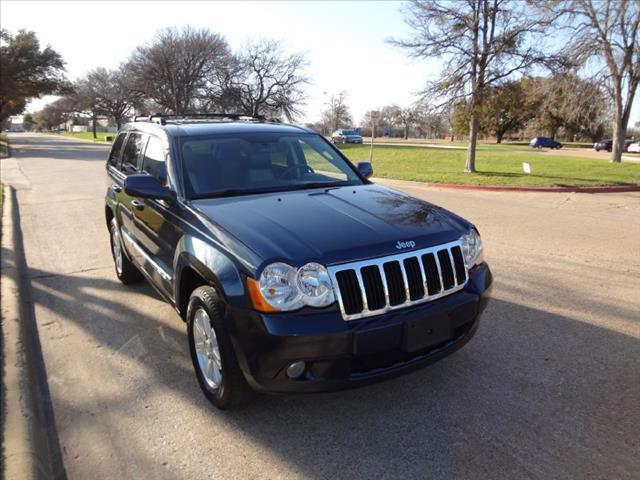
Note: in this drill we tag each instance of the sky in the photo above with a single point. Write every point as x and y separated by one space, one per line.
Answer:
344 41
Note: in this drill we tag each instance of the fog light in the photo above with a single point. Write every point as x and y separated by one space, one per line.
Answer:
295 369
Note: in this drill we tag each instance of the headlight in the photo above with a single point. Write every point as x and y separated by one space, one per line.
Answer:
278 286
472 248
314 285
285 288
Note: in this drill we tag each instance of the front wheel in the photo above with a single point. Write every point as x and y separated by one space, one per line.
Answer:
125 270
212 354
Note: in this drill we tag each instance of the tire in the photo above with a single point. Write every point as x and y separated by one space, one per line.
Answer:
126 271
223 384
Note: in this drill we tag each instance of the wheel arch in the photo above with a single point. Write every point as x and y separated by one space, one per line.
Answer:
108 215
198 263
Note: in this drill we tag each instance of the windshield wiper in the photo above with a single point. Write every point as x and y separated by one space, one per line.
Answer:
304 186
233 192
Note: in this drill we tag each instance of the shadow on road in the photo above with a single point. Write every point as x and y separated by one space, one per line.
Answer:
523 399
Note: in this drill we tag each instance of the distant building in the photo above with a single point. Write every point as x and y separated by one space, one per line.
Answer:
15 124
81 123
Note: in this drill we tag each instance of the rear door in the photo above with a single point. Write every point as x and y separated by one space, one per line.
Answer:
156 223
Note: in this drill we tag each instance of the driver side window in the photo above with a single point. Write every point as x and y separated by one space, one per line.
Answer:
131 153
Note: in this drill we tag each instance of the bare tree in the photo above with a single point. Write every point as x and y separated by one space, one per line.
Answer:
174 68
566 102
407 117
85 100
609 31
113 92
483 42
337 114
55 113
265 80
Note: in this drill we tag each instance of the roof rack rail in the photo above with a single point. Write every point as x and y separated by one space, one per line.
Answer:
163 117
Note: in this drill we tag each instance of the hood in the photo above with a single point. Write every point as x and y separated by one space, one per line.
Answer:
331 226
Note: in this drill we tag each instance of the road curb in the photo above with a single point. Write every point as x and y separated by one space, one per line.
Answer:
30 444
495 188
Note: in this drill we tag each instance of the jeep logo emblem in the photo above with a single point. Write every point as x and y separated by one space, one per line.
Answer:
408 244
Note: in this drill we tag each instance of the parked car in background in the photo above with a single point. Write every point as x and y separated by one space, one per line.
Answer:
608 145
344 135
544 142
603 145
634 147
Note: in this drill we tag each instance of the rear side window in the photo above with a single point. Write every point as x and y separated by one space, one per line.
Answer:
116 150
131 153
153 161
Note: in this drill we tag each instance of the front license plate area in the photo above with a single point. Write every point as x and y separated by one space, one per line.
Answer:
426 332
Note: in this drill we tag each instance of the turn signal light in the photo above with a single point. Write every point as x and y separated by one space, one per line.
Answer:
259 303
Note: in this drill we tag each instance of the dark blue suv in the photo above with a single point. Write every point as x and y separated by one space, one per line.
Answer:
544 142
292 270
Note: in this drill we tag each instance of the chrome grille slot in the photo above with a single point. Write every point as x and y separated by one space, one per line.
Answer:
373 287
395 282
431 270
414 277
350 294
446 268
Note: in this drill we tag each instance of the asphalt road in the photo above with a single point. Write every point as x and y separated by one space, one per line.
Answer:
548 388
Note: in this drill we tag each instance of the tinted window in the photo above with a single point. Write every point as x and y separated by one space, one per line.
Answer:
253 163
153 160
132 153
116 150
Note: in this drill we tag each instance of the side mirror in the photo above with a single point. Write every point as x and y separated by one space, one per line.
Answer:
365 169
145 186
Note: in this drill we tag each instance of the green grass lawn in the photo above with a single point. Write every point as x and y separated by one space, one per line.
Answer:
494 167
88 135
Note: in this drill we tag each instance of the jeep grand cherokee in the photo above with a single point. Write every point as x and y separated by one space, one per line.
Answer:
292 270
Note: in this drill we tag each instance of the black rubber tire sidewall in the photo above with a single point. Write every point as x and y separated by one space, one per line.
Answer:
130 273
233 390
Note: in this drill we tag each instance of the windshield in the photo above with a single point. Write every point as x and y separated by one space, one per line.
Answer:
261 162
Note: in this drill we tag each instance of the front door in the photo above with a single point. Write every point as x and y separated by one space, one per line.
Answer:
155 223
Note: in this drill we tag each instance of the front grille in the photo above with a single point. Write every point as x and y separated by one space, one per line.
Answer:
373 287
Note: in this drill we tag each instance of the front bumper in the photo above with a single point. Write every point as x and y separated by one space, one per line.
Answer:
343 354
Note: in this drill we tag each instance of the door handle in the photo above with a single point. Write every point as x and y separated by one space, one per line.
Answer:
137 205
116 188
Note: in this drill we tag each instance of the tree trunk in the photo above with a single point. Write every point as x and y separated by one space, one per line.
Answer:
617 144
499 137
94 120
406 132
474 126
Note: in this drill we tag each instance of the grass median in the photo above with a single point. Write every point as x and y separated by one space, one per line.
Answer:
494 167
100 136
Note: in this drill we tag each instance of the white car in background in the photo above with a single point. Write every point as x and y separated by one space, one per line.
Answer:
634 148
